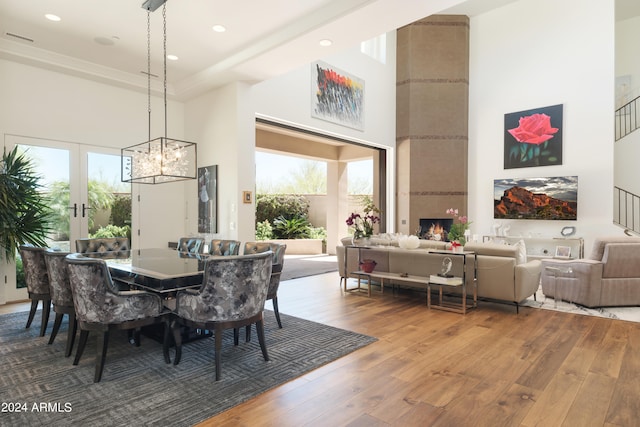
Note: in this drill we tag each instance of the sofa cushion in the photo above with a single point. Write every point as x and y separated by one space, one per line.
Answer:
493 249
521 253
599 245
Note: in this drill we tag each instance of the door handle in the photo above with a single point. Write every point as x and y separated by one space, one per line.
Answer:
85 208
75 209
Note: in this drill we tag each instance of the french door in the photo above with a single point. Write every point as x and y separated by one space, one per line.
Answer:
86 193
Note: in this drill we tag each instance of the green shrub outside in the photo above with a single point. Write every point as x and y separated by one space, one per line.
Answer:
111 231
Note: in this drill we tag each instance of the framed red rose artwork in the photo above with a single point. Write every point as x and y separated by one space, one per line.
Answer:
533 137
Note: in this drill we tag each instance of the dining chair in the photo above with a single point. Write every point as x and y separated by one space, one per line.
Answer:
192 245
224 247
232 295
37 279
278 251
101 307
61 296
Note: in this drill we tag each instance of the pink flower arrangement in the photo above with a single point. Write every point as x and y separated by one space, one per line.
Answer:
457 230
363 224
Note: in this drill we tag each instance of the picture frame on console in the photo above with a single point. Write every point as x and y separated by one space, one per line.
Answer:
563 252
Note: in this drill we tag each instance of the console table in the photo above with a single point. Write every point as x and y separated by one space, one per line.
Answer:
543 247
461 282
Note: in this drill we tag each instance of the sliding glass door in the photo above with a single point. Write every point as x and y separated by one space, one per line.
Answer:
85 192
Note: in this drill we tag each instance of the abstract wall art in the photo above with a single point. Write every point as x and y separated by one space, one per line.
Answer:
208 199
533 137
336 96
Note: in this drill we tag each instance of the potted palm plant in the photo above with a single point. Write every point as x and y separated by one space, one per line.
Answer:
24 212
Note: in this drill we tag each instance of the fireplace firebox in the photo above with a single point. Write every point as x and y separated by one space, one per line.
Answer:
435 228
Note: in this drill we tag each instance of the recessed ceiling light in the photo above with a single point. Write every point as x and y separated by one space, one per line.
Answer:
172 57
52 17
219 28
325 42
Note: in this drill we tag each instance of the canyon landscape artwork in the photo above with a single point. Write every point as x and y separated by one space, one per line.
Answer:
549 198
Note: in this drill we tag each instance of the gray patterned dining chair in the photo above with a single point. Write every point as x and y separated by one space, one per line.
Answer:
232 295
101 307
191 245
61 296
224 247
278 250
37 280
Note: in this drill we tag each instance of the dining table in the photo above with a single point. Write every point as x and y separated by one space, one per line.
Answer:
163 271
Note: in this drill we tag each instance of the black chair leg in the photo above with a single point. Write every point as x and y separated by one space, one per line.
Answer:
46 309
274 300
247 333
81 345
177 339
263 345
236 336
71 334
32 312
56 327
218 350
101 356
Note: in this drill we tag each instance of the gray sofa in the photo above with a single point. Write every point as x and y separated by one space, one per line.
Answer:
610 276
502 275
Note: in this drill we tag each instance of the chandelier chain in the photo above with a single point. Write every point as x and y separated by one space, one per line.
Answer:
149 69
164 41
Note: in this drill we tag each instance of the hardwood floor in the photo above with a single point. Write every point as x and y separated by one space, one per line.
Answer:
488 368
492 367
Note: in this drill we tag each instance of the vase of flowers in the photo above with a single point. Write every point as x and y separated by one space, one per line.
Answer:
457 231
363 224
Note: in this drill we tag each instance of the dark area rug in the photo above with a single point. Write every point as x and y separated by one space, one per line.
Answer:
39 386
296 266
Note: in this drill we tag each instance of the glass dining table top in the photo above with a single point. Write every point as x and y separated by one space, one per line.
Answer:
159 269
160 263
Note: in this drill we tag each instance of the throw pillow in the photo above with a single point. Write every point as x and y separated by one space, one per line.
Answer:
521 254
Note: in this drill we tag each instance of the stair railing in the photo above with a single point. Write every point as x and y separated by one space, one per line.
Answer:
626 209
627 118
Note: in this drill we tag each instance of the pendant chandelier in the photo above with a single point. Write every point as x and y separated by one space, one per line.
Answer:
163 159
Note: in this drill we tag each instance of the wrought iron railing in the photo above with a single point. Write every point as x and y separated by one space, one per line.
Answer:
627 118
626 209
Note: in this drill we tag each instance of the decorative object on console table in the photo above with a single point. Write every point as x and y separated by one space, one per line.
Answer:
363 224
441 280
458 229
367 265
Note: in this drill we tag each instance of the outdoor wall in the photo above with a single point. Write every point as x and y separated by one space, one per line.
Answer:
518 64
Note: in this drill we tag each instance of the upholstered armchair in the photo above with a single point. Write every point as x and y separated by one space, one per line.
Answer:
37 279
61 296
610 276
191 245
232 295
278 251
224 247
104 247
101 307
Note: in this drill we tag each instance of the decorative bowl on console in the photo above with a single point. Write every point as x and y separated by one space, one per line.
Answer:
409 242
367 265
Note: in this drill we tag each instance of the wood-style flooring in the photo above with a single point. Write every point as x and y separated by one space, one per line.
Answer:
491 367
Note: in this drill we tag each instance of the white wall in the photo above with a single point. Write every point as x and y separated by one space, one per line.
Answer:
43 104
562 53
627 64
288 99
222 122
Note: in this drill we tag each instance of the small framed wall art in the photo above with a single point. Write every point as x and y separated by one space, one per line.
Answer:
246 197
